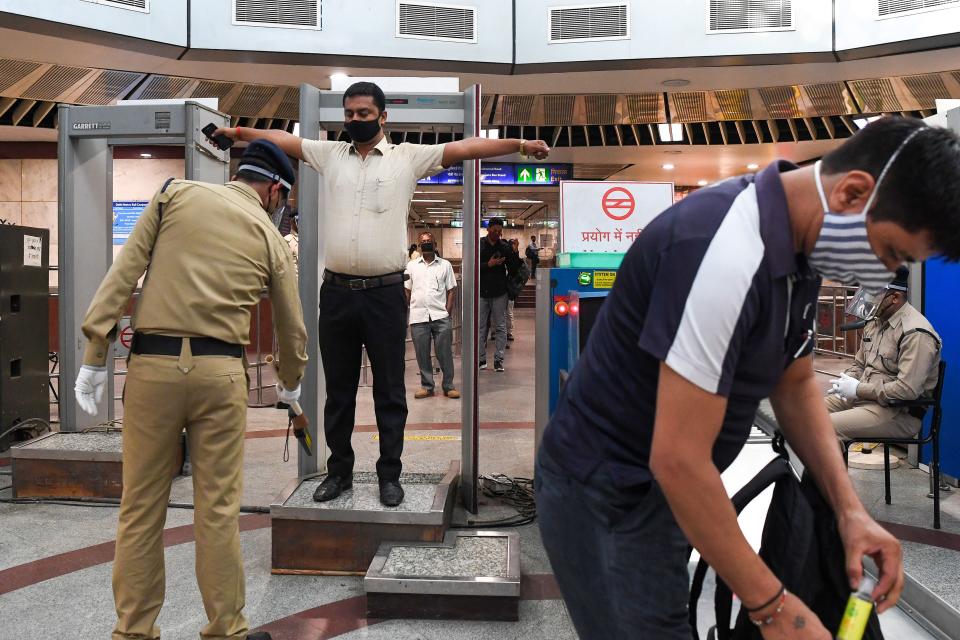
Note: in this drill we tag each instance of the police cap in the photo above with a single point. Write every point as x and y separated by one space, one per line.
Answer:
266 159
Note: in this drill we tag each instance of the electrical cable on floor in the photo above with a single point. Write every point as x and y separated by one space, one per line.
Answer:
512 492
24 424
110 426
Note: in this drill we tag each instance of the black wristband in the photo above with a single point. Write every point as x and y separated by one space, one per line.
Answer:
767 603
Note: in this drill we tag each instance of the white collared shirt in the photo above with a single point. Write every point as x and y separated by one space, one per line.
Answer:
428 285
366 201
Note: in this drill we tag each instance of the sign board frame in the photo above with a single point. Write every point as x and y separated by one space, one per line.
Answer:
605 233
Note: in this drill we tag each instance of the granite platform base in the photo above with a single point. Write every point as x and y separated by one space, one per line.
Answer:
472 575
341 536
72 465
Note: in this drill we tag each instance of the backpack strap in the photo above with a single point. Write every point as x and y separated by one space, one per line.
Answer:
776 470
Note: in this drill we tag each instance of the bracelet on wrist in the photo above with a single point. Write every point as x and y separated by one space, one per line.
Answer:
523 155
239 137
780 599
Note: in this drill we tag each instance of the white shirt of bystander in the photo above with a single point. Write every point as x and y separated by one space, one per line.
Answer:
428 285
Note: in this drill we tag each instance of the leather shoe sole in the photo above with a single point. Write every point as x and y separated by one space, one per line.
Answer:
331 488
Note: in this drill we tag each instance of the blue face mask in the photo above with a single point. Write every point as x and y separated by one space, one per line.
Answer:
842 251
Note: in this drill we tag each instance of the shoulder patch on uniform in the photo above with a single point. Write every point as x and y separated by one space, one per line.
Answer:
919 330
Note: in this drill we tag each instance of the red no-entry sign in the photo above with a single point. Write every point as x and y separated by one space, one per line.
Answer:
618 203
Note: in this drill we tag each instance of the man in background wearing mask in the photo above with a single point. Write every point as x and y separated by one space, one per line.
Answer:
210 250
368 184
497 263
431 293
897 360
712 311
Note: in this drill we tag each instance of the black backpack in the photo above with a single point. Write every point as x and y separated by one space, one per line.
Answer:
800 544
517 282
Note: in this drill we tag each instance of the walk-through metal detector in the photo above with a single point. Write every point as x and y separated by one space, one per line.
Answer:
321 111
86 137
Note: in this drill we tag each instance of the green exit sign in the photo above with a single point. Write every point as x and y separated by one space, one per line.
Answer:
533 174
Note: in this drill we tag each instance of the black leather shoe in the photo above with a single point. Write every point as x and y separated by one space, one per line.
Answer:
391 493
259 635
332 487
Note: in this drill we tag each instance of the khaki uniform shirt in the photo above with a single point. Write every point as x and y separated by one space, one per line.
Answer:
207 261
893 367
366 201
293 241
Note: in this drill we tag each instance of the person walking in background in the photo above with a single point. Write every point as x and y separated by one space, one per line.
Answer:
533 255
431 293
497 261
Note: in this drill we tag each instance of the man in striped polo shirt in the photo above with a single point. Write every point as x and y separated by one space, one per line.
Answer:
713 310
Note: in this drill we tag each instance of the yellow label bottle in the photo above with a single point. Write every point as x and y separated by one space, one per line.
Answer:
857 613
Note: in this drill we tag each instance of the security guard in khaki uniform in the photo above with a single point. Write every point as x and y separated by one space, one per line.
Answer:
897 360
211 250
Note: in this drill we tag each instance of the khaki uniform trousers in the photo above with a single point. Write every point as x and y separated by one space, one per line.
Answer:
868 419
163 395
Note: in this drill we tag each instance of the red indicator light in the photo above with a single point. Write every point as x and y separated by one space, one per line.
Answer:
561 309
574 308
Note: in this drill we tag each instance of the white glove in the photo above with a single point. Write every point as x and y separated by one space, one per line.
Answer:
288 397
91 383
845 386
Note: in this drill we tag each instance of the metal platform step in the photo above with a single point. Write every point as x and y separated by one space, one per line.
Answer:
72 465
472 575
341 536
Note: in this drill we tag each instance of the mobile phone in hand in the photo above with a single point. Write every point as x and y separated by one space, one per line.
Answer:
223 142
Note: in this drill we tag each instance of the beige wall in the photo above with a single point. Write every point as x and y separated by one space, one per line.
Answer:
28 191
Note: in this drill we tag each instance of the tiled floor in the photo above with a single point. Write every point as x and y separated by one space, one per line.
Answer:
55 560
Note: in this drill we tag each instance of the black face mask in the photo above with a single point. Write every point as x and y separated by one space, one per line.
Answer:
426 247
362 130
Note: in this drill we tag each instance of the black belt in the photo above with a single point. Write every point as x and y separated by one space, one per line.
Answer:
360 283
155 345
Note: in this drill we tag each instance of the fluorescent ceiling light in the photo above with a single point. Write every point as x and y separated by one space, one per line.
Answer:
296 128
493 134
337 80
426 200
521 201
668 166
753 166
670 132
146 155
426 192
702 183
862 122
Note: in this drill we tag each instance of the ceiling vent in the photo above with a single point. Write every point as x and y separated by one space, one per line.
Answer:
134 5
734 104
688 106
876 95
646 108
781 102
13 71
732 16
926 90
289 108
287 14
558 109
429 21
897 8
109 86
55 82
601 108
162 88
589 23
252 100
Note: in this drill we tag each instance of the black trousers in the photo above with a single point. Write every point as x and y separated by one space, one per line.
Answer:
348 321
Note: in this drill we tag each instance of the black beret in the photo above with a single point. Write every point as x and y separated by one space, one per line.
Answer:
267 159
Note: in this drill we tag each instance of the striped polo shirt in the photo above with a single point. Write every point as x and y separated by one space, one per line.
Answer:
714 288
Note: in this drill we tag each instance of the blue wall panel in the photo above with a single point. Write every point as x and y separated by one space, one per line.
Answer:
942 307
